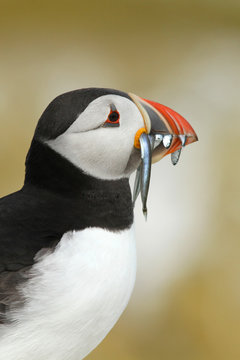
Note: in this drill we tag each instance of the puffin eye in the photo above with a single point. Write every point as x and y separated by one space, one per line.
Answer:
113 118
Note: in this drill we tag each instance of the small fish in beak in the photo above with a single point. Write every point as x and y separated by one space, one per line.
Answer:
175 156
166 132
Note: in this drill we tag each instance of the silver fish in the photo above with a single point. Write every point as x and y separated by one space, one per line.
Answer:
175 156
147 143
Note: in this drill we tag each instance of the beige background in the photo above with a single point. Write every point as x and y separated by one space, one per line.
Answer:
184 54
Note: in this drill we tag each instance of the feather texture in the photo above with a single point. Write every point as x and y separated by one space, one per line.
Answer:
73 298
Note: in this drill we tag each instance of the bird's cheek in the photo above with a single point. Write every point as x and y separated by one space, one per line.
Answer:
133 162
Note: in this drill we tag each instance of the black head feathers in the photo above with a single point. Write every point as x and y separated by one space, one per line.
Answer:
64 110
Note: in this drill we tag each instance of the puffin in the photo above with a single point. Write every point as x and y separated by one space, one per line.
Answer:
67 244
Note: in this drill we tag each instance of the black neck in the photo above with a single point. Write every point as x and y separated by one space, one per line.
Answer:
90 201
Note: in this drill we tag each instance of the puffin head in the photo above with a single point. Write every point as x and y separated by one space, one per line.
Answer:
109 134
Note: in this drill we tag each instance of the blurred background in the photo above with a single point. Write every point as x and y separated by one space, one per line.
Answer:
184 54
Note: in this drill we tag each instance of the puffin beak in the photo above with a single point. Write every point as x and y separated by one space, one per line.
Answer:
166 132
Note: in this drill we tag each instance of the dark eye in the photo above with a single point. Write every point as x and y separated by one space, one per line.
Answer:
113 116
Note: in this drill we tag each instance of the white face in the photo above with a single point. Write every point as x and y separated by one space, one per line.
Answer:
103 152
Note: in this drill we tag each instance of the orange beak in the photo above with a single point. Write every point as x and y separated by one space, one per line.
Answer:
170 128
165 132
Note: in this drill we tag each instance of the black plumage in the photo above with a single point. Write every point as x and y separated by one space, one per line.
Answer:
57 197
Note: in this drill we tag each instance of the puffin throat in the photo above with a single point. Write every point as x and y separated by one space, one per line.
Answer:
90 201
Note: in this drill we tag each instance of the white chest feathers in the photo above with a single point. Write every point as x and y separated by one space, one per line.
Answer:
75 297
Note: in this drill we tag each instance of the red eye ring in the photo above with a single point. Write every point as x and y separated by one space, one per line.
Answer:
113 118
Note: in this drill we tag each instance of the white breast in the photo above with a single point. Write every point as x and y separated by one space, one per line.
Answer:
76 295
